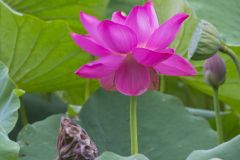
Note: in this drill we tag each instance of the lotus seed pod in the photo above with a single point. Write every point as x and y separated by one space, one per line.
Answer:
215 71
74 143
205 41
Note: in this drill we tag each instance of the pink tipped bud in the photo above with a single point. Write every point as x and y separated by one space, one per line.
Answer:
215 71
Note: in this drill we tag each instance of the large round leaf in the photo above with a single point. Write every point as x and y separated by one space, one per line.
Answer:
8 149
112 156
41 56
166 130
223 14
9 105
225 151
38 141
67 10
9 102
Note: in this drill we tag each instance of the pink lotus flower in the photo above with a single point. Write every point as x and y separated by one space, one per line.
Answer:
132 49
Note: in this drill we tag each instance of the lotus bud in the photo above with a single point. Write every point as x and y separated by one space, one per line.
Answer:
205 41
215 71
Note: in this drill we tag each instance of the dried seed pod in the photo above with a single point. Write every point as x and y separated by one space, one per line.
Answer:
73 142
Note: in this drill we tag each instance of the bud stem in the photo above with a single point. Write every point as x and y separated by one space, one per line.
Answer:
217 115
133 125
233 56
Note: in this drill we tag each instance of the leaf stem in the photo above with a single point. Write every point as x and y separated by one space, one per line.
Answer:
87 90
217 115
233 56
23 113
133 125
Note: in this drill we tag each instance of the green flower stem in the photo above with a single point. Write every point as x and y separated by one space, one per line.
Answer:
23 113
162 83
133 125
217 115
233 56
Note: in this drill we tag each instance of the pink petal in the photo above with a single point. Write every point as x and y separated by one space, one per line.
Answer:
117 37
90 23
166 33
107 82
132 78
89 45
175 66
142 20
151 58
119 17
101 67
153 16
